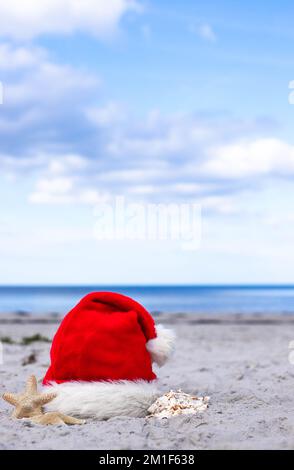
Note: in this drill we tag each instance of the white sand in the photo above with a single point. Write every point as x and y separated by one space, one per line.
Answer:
243 367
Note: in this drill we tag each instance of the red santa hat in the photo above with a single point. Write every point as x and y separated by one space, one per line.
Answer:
101 357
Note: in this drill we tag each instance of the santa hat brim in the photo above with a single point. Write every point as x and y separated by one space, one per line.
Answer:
103 400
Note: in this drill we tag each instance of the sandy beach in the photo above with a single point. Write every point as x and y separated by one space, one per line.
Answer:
241 362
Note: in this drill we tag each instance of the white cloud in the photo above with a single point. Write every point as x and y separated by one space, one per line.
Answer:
219 204
60 182
54 126
31 18
159 136
60 190
49 83
203 30
107 115
12 166
55 185
250 158
60 164
206 32
19 57
172 158
43 101
189 188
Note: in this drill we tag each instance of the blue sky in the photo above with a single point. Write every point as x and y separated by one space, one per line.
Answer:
163 102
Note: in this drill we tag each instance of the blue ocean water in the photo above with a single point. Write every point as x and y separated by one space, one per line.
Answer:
203 299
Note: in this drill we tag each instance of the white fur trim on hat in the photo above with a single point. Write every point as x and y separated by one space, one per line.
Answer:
162 346
103 400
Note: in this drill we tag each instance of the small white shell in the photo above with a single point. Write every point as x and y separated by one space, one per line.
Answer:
177 403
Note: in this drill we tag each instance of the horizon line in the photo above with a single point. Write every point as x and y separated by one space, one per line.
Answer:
252 285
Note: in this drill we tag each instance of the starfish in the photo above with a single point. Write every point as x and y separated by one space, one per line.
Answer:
29 404
56 418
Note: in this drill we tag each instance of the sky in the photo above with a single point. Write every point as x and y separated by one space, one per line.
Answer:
156 102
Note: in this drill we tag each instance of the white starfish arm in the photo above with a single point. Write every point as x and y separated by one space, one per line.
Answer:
45 398
10 398
31 385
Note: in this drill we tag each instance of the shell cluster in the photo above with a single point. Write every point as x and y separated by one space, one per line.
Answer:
177 403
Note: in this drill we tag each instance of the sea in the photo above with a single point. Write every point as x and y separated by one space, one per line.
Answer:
206 299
